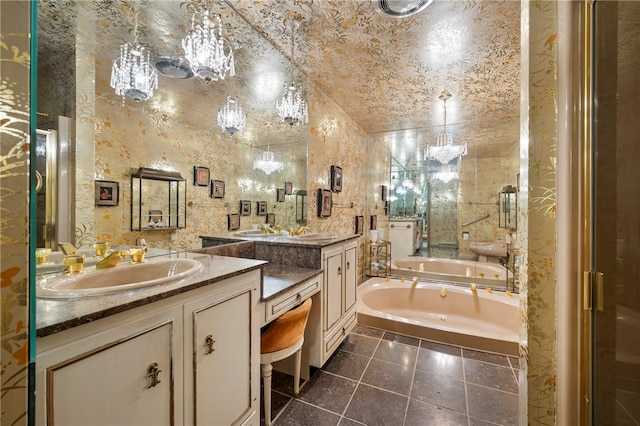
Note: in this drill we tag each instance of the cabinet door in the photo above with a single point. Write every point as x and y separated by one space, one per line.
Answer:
222 360
350 267
115 385
333 289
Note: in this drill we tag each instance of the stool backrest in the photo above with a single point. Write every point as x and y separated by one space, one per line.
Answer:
286 330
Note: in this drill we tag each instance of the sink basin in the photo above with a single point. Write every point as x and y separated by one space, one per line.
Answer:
315 236
258 233
494 249
120 278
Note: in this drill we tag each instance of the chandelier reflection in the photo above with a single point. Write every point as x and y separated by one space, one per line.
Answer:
266 161
231 117
209 54
132 74
292 107
446 174
444 151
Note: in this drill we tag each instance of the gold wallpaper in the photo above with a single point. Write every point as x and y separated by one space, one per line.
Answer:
15 60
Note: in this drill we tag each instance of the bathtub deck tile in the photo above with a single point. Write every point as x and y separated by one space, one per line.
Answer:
490 375
389 376
486 357
444 364
397 353
407 340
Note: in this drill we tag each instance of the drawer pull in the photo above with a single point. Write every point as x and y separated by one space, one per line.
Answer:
339 270
154 372
298 298
209 342
348 265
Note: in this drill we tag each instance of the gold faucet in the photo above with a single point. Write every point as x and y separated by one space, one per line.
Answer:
68 249
112 259
74 263
137 254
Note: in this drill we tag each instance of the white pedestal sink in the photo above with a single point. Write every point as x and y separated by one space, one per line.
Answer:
489 252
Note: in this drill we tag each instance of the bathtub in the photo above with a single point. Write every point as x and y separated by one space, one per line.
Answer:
443 313
449 269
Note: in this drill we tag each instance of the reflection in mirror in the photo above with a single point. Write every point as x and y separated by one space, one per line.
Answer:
175 129
158 200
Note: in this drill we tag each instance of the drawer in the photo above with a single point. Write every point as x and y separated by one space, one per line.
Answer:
291 298
333 339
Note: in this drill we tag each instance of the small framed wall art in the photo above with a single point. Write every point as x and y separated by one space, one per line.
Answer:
336 178
200 176
387 208
374 222
107 193
233 221
280 195
324 202
271 219
245 208
217 189
288 188
261 208
359 225
383 192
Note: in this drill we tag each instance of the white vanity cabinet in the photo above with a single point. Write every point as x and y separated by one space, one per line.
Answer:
339 295
156 364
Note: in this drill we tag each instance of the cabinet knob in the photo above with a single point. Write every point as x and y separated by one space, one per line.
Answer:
348 265
153 372
339 270
209 342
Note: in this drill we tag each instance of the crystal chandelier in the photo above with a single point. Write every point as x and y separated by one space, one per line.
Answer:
132 74
292 107
266 161
231 117
209 54
446 173
444 150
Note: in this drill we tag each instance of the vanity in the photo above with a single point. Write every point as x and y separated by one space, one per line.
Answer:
188 352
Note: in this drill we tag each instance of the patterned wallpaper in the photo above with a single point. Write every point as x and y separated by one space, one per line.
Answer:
15 57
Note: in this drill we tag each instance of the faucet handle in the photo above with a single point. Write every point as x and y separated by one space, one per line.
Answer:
74 263
137 254
68 248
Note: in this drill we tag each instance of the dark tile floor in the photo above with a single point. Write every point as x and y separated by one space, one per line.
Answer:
381 378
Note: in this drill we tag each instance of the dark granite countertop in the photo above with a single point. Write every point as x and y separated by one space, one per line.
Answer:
55 315
282 240
279 278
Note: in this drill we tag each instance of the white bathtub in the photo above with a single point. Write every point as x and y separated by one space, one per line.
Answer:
448 269
473 319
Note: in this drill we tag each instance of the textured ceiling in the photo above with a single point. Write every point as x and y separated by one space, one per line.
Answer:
385 73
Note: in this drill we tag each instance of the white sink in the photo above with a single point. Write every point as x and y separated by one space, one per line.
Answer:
119 278
315 236
494 249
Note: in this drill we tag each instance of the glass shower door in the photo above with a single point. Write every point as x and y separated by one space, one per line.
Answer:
616 212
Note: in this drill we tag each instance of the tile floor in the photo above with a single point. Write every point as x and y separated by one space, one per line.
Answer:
381 378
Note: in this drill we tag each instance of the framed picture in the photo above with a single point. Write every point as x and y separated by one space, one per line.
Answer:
217 189
288 188
324 202
200 176
387 208
155 219
280 195
383 192
359 225
233 221
271 219
336 178
374 222
107 193
261 208
245 207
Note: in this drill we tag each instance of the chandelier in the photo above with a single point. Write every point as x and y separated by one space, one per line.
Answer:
267 160
446 174
292 107
231 117
209 54
444 150
132 74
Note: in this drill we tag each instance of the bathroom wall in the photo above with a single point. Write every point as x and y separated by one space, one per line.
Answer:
15 353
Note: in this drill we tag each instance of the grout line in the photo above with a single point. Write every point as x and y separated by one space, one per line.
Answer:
466 391
413 377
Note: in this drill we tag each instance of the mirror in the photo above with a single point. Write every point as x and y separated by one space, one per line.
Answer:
456 203
173 131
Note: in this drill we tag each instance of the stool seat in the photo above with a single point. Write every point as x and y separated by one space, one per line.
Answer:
281 339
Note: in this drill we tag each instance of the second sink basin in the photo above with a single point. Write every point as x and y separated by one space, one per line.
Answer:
120 278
